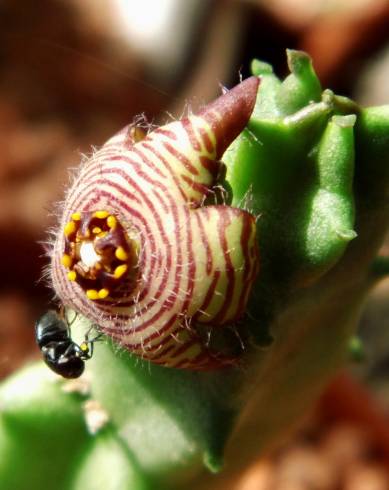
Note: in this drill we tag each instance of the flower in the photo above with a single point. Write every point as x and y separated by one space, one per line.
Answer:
140 251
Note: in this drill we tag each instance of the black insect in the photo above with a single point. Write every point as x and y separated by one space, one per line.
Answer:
60 353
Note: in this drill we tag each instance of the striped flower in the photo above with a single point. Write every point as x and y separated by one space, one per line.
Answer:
141 252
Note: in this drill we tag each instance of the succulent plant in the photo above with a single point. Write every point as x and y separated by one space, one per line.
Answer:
157 236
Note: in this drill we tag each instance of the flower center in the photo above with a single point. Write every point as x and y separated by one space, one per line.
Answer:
97 253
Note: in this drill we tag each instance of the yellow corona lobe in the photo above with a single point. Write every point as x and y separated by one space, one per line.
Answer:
72 275
92 294
120 270
111 221
66 260
103 293
101 214
69 228
121 254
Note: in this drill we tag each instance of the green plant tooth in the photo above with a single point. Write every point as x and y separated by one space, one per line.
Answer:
336 156
343 105
340 105
213 460
266 105
253 162
301 87
260 68
331 221
346 235
356 350
308 122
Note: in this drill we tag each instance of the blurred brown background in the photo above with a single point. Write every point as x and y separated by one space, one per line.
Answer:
72 72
